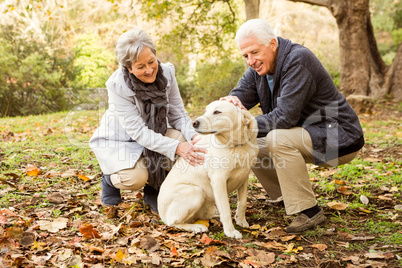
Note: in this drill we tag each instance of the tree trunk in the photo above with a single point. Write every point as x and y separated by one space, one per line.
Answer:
363 72
252 9
395 77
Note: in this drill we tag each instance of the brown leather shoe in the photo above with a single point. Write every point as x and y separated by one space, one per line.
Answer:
302 222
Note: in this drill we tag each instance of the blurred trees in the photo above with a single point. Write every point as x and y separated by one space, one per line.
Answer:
201 24
47 58
51 50
33 78
94 62
363 70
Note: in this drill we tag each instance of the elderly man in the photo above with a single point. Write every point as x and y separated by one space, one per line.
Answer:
305 119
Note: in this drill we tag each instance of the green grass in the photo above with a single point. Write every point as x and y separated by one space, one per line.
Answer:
58 143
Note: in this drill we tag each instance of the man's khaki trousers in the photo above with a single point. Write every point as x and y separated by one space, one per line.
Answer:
281 167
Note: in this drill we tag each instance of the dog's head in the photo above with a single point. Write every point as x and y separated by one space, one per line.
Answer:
222 118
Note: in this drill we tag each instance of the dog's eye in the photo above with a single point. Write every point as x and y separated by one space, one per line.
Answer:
217 112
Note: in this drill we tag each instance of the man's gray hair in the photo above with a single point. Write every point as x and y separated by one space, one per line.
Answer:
258 28
130 45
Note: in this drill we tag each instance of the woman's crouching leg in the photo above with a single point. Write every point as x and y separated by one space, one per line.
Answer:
131 179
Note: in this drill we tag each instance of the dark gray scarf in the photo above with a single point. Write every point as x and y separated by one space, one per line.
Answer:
155 102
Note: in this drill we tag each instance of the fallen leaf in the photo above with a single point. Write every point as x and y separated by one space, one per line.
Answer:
354 259
343 190
342 244
211 257
291 248
388 255
120 255
328 172
16 176
83 177
384 197
3 220
374 255
69 173
135 224
364 210
33 170
289 237
277 232
27 239
255 227
260 257
274 245
340 182
38 246
149 243
53 226
372 159
394 189
337 205
320 247
173 251
15 233
363 238
203 222
94 248
345 235
364 199
88 231
56 198
7 212
208 241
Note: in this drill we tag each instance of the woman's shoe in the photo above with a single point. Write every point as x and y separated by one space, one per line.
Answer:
151 197
110 194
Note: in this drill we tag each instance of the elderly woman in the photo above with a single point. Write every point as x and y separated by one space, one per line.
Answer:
145 126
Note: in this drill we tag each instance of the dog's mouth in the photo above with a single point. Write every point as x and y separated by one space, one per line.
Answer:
206 132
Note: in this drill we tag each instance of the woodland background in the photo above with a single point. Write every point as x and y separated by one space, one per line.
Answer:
55 54
55 57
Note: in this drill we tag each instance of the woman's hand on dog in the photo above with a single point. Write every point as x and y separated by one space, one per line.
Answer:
190 153
235 100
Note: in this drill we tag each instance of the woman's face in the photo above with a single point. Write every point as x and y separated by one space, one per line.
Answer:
146 67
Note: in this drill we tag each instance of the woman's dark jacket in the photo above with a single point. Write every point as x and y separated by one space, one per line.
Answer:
304 95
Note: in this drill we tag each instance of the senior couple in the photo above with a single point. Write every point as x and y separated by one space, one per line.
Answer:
304 119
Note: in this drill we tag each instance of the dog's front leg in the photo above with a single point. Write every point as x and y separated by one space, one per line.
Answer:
222 201
242 205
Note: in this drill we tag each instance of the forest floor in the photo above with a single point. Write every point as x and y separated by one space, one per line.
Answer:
51 216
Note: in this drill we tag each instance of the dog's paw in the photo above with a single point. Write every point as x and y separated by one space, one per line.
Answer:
198 228
242 222
234 234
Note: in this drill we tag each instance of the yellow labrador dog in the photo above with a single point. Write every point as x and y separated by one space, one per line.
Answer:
190 193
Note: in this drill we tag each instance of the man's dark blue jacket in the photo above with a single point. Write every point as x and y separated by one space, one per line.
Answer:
304 95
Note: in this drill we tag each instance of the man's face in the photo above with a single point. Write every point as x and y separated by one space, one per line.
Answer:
260 57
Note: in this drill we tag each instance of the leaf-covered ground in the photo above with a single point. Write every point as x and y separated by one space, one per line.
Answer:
51 216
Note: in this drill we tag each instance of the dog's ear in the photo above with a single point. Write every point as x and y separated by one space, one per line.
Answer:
246 118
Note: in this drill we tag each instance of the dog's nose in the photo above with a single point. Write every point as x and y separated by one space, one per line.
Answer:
196 123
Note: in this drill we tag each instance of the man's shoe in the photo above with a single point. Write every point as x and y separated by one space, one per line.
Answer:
151 197
110 194
302 222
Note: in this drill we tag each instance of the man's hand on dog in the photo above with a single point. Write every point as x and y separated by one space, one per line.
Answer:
235 100
189 152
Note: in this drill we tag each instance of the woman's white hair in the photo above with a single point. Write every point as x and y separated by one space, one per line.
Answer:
258 28
130 45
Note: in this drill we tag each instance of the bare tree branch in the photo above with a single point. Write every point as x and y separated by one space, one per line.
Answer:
323 3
